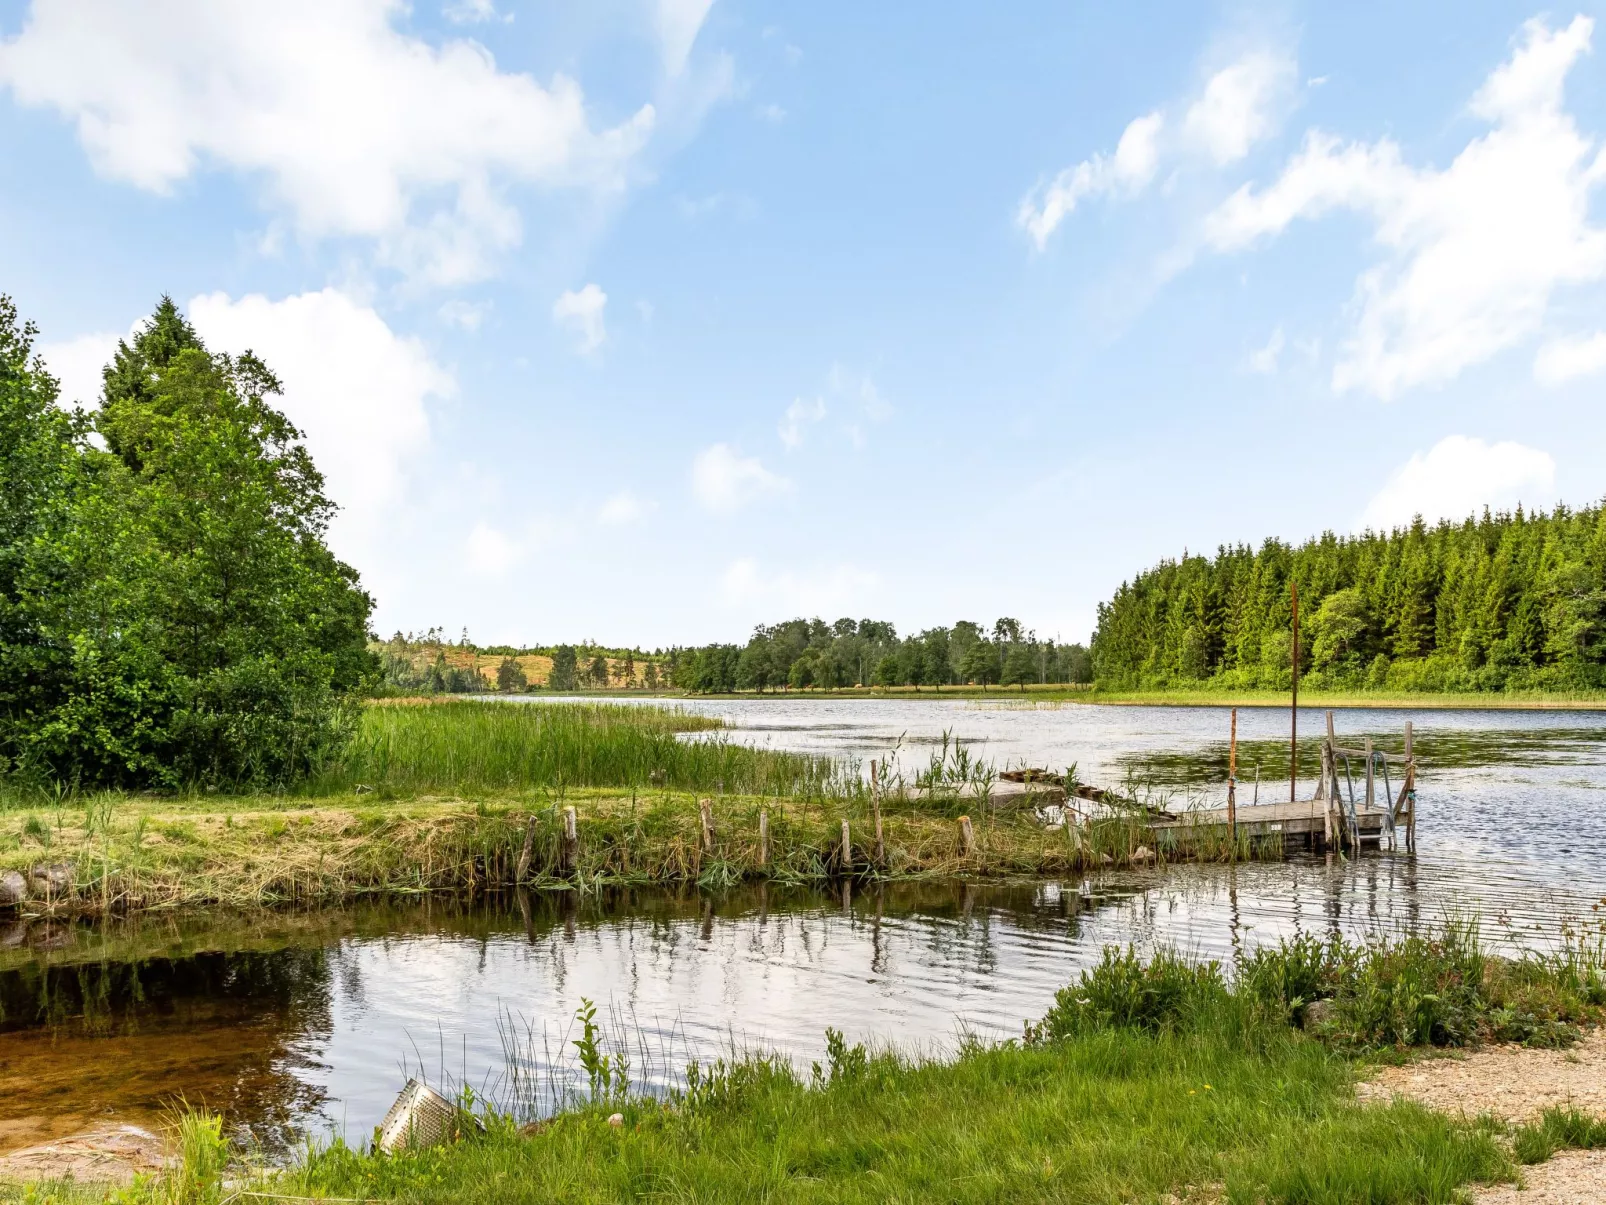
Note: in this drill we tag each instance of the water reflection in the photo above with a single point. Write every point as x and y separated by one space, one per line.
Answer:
309 1022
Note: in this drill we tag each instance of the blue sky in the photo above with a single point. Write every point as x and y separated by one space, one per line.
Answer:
644 321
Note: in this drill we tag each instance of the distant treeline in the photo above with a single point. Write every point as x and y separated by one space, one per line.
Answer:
1506 601
430 664
802 653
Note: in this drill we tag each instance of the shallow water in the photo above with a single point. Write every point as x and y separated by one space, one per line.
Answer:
308 1023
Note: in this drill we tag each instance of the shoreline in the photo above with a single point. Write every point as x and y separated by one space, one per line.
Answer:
150 853
1313 700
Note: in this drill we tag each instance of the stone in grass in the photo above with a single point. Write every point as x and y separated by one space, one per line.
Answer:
55 879
1318 1013
1142 856
13 889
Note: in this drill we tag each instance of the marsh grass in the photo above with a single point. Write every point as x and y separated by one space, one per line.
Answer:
469 746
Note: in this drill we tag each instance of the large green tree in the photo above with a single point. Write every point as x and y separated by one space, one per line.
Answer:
214 637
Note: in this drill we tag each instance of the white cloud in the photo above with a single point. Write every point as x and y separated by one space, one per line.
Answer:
581 313
1458 477
832 589
622 509
1238 106
772 113
724 480
1567 359
1472 252
77 364
349 124
1264 360
473 12
466 315
491 552
799 415
678 22
355 387
1129 170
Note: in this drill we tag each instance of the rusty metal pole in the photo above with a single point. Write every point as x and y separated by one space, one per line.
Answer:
1293 730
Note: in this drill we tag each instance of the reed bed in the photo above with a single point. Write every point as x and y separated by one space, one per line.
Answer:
473 746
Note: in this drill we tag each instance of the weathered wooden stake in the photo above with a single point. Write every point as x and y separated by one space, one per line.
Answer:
706 807
847 848
880 851
527 852
1232 784
763 837
569 850
967 836
1409 790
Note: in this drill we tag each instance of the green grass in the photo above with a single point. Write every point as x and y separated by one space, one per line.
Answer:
1149 1081
469 746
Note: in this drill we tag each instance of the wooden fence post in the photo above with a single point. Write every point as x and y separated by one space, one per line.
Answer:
847 848
880 851
763 837
569 853
967 837
706 808
527 852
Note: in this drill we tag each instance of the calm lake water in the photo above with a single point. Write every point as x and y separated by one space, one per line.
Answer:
299 1023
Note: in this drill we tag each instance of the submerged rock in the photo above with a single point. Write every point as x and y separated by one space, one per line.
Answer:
13 889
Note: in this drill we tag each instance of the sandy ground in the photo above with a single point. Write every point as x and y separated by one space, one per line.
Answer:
109 1154
1516 1084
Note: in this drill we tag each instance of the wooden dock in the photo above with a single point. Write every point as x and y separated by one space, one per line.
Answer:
1355 805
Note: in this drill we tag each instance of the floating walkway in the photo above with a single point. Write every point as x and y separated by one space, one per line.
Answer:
1356 805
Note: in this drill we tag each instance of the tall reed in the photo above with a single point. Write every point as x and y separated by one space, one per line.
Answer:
479 746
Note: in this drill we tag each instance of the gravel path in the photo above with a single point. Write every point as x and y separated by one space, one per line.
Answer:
1516 1084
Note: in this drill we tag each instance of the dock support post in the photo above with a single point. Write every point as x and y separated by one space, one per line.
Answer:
1371 789
1232 788
1293 711
1408 789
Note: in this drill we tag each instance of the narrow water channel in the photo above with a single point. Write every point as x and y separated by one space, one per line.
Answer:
306 1023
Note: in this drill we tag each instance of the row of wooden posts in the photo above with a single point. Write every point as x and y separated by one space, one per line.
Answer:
569 839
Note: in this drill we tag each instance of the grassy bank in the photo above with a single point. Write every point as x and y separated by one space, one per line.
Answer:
1147 1081
136 852
470 796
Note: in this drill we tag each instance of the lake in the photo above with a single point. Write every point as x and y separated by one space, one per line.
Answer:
302 1023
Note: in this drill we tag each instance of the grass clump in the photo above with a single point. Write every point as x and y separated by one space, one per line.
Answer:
1428 989
1558 1129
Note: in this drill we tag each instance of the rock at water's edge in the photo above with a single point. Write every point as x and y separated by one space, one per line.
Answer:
13 889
